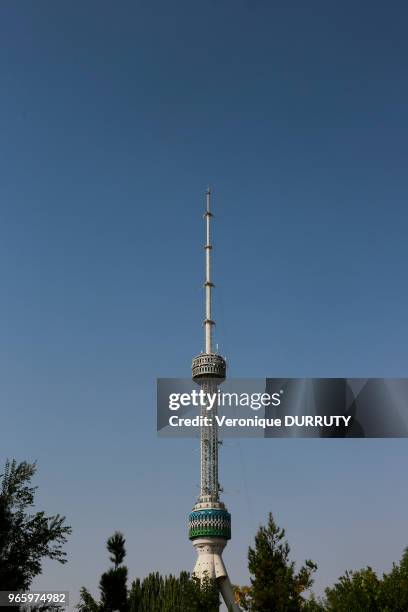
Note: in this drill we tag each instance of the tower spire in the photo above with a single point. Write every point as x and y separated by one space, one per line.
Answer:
208 322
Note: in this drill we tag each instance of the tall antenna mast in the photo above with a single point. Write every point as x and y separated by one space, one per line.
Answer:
208 322
210 521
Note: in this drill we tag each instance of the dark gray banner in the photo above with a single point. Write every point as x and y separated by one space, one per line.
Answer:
285 407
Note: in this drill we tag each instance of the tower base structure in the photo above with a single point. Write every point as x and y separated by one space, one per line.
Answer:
209 530
210 564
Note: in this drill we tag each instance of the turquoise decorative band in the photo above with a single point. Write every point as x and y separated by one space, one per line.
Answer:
212 522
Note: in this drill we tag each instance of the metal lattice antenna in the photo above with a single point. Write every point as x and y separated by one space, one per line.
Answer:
208 322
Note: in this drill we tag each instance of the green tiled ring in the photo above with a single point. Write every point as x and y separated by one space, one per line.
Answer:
209 522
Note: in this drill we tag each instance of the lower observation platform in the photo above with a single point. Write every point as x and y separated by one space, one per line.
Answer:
209 522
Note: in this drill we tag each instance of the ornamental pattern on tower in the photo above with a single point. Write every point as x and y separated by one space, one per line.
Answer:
211 522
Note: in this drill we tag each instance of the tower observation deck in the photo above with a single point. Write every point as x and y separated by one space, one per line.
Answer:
210 521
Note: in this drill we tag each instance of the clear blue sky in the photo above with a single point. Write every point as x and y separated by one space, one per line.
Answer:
113 119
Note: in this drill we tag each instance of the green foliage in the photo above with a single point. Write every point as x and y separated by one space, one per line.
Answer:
359 591
395 586
202 596
275 585
113 583
25 539
171 594
87 603
153 594
363 591
116 547
114 590
313 605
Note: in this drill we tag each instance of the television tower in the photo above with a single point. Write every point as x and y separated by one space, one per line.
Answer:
210 521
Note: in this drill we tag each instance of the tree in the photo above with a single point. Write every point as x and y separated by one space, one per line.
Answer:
116 546
113 583
363 591
86 602
171 594
25 539
360 591
395 586
275 586
153 594
313 605
113 587
201 596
